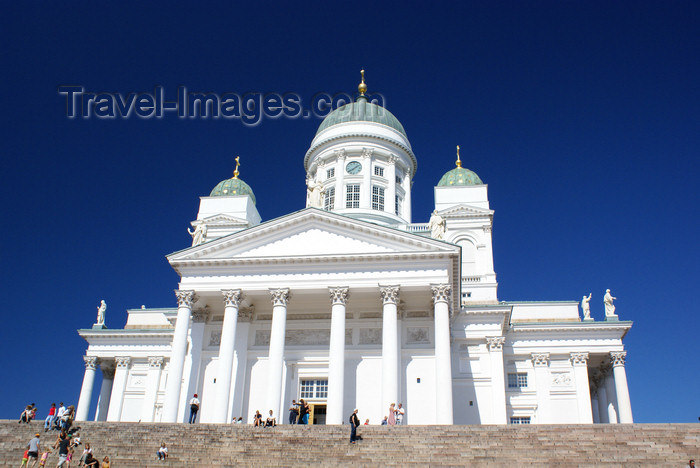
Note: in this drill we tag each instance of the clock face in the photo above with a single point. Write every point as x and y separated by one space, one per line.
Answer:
353 167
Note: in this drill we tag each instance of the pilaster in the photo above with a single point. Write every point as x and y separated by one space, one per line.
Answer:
498 386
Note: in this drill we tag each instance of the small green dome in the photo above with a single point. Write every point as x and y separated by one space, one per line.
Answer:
362 111
232 186
459 176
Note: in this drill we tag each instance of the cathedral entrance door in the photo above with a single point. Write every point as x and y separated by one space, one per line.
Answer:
317 415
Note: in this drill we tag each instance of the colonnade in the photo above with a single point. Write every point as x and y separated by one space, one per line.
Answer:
112 393
610 399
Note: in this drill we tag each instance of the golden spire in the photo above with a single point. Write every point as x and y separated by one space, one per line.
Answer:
362 88
235 171
459 161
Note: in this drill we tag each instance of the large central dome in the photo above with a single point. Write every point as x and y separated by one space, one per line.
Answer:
361 111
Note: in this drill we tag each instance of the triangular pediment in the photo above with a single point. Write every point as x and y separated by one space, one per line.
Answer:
221 220
465 211
312 233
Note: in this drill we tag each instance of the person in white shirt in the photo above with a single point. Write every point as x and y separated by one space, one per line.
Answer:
400 413
162 452
194 407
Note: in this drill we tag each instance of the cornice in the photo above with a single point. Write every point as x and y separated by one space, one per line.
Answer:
161 333
591 327
310 259
396 143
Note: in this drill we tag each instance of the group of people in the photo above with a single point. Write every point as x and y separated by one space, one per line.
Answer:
67 445
60 418
299 412
271 421
395 417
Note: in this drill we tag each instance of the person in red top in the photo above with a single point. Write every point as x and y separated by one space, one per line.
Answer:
48 423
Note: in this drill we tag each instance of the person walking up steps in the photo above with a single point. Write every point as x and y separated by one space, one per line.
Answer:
354 422
194 407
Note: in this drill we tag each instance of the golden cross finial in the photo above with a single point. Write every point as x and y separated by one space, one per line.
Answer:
362 88
235 171
459 162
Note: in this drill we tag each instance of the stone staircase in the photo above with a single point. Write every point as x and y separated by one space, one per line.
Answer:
212 445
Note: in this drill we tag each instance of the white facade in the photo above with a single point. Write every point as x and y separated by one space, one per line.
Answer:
350 305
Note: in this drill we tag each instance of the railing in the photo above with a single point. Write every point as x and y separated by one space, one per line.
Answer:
471 279
414 227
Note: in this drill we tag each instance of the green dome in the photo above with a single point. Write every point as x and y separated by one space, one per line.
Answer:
459 176
361 111
232 186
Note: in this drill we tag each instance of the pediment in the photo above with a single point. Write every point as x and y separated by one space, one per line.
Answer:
465 211
221 220
312 233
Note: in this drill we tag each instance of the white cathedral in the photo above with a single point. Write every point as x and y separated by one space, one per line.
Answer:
349 304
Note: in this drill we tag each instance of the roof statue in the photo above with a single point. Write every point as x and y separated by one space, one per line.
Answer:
199 234
609 307
101 313
314 193
437 226
586 307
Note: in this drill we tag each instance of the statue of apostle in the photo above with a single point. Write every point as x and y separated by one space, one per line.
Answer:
437 226
608 302
101 313
586 307
314 193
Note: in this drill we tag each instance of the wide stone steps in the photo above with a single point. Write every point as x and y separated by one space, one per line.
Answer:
213 445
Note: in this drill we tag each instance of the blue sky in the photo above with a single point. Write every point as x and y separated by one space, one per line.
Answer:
582 117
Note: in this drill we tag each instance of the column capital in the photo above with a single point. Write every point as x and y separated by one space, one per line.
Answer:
123 362
201 315
617 358
495 343
390 294
392 159
367 152
245 314
579 359
232 297
155 362
339 295
441 292
340 154
279 297
540 359
185 298
90 362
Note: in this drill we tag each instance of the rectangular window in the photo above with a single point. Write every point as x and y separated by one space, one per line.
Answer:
520 420
307 389
379 171
377 198
314 388
322 389
352 197
397 205
330 173
517 380
398 180
329 200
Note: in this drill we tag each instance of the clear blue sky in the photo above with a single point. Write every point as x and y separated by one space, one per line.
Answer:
583 118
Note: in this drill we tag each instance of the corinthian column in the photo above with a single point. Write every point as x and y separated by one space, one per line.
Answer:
116 402
336 356
443 359
81 414
498 385
185 300
623 394
232 300
390 346
583 392
275 362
